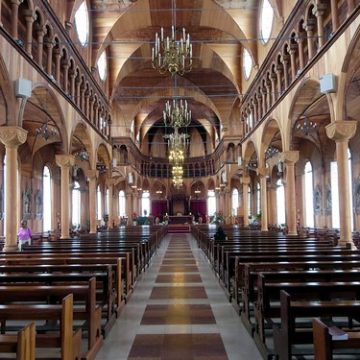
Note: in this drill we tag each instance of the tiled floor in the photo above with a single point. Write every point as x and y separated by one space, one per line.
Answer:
178 312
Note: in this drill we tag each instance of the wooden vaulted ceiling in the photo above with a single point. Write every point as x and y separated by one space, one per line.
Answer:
218 29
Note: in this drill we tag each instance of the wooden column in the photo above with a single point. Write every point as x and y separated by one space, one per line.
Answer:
29 18
290 158
12 137
301 52
245 180
92 177
57 65
310 36
65 162
262 173
49 46
319 13
341 132
293 48
14 18
40 32
334 15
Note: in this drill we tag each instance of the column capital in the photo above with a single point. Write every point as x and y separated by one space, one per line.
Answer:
290 157
110 182
12 136
341 130
65 160
245 180
262 172
92 174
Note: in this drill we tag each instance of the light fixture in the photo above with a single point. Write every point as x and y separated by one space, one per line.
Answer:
158 192
45 131
305 125
271 151
172 55
177 141
177 113
82 155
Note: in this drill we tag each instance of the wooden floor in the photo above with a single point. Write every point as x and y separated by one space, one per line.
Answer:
179 311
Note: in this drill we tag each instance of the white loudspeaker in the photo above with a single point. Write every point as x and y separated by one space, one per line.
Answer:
239 161
130 178
114 162
23 88
328 83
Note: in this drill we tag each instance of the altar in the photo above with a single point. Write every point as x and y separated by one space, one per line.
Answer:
180 219
179 224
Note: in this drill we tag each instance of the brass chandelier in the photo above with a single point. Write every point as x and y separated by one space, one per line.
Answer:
177 113
172 55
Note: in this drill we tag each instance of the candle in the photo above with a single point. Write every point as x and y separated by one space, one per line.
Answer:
162 33
173 32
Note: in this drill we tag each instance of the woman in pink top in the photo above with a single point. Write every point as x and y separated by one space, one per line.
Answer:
24 234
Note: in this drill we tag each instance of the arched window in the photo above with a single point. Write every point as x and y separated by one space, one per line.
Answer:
234 201
266 20
247 63
98 204
4 197
309 195
122 203
107 203
47 209
145 202
249 201
335 193
76 204
280 202
102 66
211 203
82 24
258 199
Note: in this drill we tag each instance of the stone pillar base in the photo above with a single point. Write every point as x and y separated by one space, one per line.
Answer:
292 233
9 248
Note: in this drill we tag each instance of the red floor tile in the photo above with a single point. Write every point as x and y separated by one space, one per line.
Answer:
178 292
178 314
179 262
171 269
178 347
179 278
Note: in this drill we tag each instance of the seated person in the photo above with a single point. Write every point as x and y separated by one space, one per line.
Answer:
220 234
24 234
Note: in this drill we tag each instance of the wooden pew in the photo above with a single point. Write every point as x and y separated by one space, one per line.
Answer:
122 262
267 310
89 312
71 281
22 344
66 339
289 333
250 271
252 294
324 345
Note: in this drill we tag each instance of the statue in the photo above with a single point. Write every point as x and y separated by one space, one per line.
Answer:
357 195
328 199
317 200
27 203
38 204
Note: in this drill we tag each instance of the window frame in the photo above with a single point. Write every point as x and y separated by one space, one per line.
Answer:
246 52
98 64
78 30
263 39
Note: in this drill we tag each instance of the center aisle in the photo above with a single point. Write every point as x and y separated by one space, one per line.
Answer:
178 311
